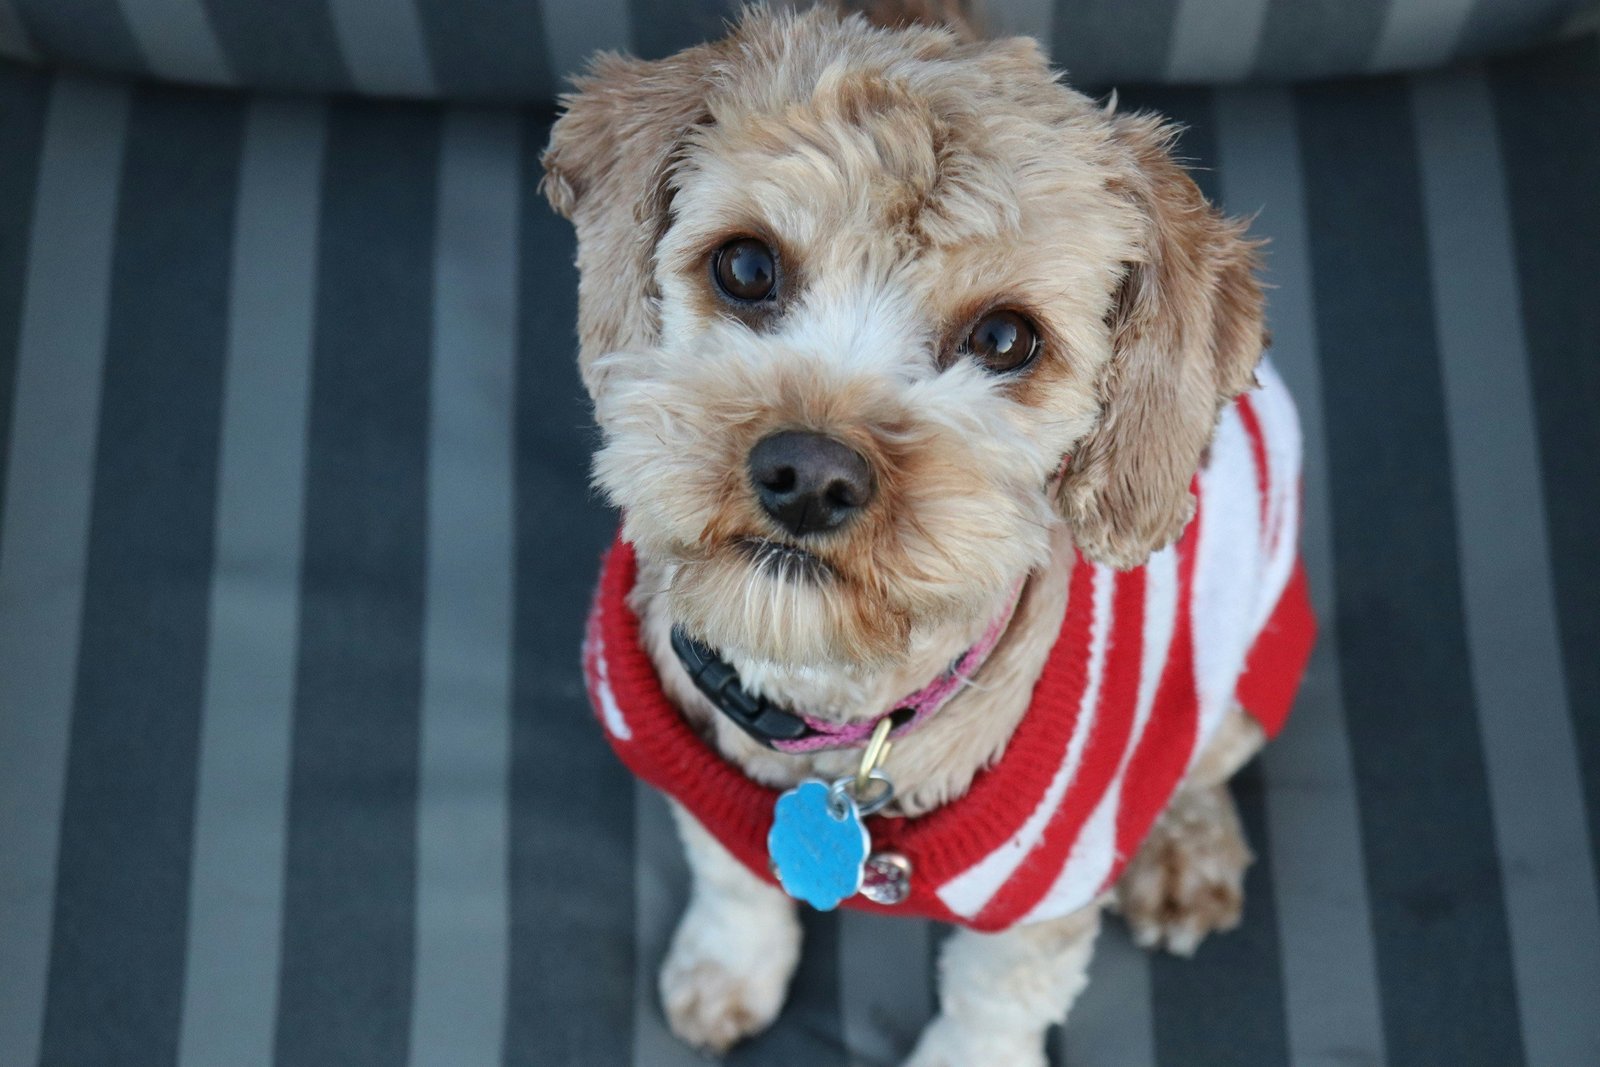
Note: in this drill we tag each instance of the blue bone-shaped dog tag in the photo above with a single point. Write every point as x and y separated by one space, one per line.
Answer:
818 847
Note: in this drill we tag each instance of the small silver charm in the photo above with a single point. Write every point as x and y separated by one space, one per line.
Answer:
886 878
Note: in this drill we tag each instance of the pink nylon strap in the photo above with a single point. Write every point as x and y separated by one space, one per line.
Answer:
921 705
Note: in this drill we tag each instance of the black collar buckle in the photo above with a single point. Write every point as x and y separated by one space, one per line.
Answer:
716 678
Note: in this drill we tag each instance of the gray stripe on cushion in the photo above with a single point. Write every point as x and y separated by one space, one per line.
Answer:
1539 100
1523 707
44 539
662 27
810 1030
236 879
26 96
1432 869
383 46
1215 40
349 892
1419 33
127 820
1110 1024
177 40
88 32
14 40
1325 929
285 44
1105 42
575 31
1028 18
458 1006
484 49
882 1006
572 833
1583 22
1306 40
660 892
1191 1025
1501 25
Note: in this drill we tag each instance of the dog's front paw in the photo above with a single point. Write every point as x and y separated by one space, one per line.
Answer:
948 1042
1188 878
727 972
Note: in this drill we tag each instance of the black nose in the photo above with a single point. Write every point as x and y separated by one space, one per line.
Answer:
809 482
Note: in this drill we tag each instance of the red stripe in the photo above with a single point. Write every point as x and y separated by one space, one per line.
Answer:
1108 738
664 751
950 839
1169 737
1278 659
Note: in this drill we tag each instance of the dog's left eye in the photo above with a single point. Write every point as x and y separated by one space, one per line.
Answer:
746 270
1002 341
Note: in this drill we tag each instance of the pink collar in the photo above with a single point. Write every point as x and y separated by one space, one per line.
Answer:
794 732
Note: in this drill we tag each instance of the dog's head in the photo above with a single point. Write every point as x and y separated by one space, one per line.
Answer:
864 313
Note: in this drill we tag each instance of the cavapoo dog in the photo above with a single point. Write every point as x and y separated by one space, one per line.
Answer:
958 566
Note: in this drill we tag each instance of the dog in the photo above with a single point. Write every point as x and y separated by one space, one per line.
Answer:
959 507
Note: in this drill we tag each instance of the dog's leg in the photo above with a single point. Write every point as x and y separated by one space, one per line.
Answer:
999 993
735 949
1188 877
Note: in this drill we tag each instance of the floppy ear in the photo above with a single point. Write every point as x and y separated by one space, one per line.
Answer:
1186 337
607 168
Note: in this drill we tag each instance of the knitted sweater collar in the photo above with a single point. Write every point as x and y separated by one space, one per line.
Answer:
654 740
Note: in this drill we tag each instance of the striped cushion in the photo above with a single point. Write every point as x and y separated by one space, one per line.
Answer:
522 49
296 544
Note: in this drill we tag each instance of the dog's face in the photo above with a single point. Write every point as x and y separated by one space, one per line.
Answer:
865 313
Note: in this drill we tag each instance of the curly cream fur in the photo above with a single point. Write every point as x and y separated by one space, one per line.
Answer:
909 179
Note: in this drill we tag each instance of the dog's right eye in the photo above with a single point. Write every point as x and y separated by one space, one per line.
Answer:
1003 341
746 270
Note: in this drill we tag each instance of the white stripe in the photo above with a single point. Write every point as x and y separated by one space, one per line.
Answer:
1227 572
236 875
1095 851
969 891
458 1003
60 355
1160 620
610 712
1524 710
1280 431
177 39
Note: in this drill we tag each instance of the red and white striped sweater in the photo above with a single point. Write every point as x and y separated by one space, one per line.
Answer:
1147 664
